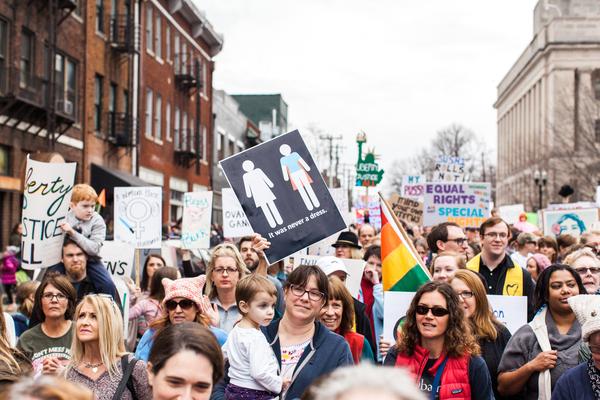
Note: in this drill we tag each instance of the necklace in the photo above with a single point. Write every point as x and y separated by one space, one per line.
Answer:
94 367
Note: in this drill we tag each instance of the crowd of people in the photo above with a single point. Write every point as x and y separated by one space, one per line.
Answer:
238 328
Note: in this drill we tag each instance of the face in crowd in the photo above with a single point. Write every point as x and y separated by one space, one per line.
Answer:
153 264
249 256
495 239
588 269
366 234
561 286
343 251
225 274
181 310
444 268
75 261
465 296
432 316
304 303
456 241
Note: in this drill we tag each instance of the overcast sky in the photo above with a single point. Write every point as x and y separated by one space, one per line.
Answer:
397 69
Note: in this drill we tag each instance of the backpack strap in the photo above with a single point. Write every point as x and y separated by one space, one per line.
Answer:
127 368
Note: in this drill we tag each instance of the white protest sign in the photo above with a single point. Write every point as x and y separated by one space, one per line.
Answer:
46 198
235 223
413 187
355 271
323 247
510 310
118 258
598 196
195 225
138 216
340 197
449 169
123 292
168 251
511 212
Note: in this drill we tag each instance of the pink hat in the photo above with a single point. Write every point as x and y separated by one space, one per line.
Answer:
541 260
187 288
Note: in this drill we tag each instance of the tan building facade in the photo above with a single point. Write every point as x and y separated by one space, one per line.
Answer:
549 108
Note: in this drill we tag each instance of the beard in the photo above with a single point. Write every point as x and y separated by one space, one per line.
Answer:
251 264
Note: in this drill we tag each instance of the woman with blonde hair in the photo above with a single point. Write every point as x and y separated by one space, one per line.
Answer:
13 363
491 334
445 264
438 349
98 356
224 270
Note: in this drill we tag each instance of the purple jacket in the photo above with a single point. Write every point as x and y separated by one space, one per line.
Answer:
10 263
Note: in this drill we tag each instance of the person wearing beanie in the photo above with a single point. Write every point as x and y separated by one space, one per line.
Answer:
536 263
183 302
583 381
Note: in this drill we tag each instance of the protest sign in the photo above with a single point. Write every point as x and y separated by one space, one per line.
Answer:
355 270
138 216
371 204
340 197
195 224
235 223
466 204
510 310
573 222
123 292
449 169
413 187
118 258
511 212
283 194
48 188
407 210
323 247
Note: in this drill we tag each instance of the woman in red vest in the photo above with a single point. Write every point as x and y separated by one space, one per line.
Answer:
338 316
437 347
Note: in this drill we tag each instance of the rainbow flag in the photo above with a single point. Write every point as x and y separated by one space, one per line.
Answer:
402 268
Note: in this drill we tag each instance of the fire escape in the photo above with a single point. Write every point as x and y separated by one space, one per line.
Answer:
31 102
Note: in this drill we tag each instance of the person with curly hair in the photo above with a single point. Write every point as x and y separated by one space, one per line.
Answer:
438 349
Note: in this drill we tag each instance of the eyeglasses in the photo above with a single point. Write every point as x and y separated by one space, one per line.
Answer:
435 310
458 241
184 304
584 270
52 296
221 271
496 235
313 295
465 294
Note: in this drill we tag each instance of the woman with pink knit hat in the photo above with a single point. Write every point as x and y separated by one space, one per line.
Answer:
183 302
536 263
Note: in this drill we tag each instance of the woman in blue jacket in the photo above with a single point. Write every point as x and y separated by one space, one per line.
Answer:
304 348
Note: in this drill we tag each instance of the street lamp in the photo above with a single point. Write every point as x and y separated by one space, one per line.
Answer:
540 178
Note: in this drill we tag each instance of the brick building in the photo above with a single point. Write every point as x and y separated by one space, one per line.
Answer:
176 118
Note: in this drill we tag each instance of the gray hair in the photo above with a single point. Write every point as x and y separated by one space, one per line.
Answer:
393 381
577 254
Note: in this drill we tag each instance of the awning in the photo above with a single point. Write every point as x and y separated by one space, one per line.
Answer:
107 179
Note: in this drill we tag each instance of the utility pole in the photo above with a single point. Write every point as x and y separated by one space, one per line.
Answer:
330 139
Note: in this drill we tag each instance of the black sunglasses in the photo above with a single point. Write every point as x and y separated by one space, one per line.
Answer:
185 304
435 310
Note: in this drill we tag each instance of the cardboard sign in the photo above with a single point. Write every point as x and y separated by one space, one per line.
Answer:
407 210
283 195
355 270
511 212
466 204
118 258
573 222
372 204
413 187
138 216
48 188
510 310
449 169
195 224
235 223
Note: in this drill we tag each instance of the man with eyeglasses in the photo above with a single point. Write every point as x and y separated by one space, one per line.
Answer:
447 236
502 275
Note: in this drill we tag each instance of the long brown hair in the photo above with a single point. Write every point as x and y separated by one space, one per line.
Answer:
458 339
338 291
483 322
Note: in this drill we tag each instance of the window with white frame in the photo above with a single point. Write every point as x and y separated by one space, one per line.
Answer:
149 104
168 122
168 43
157 37
177 55
204 77
184 58
158 118
149 23
176 132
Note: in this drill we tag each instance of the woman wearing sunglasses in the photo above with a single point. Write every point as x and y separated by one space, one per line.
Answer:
437 347
99 359
491 334
183 302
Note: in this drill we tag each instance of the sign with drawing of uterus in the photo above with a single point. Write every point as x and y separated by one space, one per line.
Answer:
137 220
283 194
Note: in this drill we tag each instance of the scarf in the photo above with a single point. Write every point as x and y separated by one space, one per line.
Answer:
594 375
368 298
538 324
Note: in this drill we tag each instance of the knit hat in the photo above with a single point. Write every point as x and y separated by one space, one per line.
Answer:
330 264
187 288
587 310
541 260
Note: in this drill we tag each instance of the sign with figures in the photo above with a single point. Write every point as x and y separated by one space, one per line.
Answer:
195 224
283 194
467 204
138 216
48 188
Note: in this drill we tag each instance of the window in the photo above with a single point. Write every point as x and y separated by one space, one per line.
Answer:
176 132
204 78
192 137
185 142
157 37
100 16
65 73
27 58
112 106
4 160
158 118
3 49
596 83
220 146
149 103
126 102
184 61
149 36
168 43
98 82
168 122
177 56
